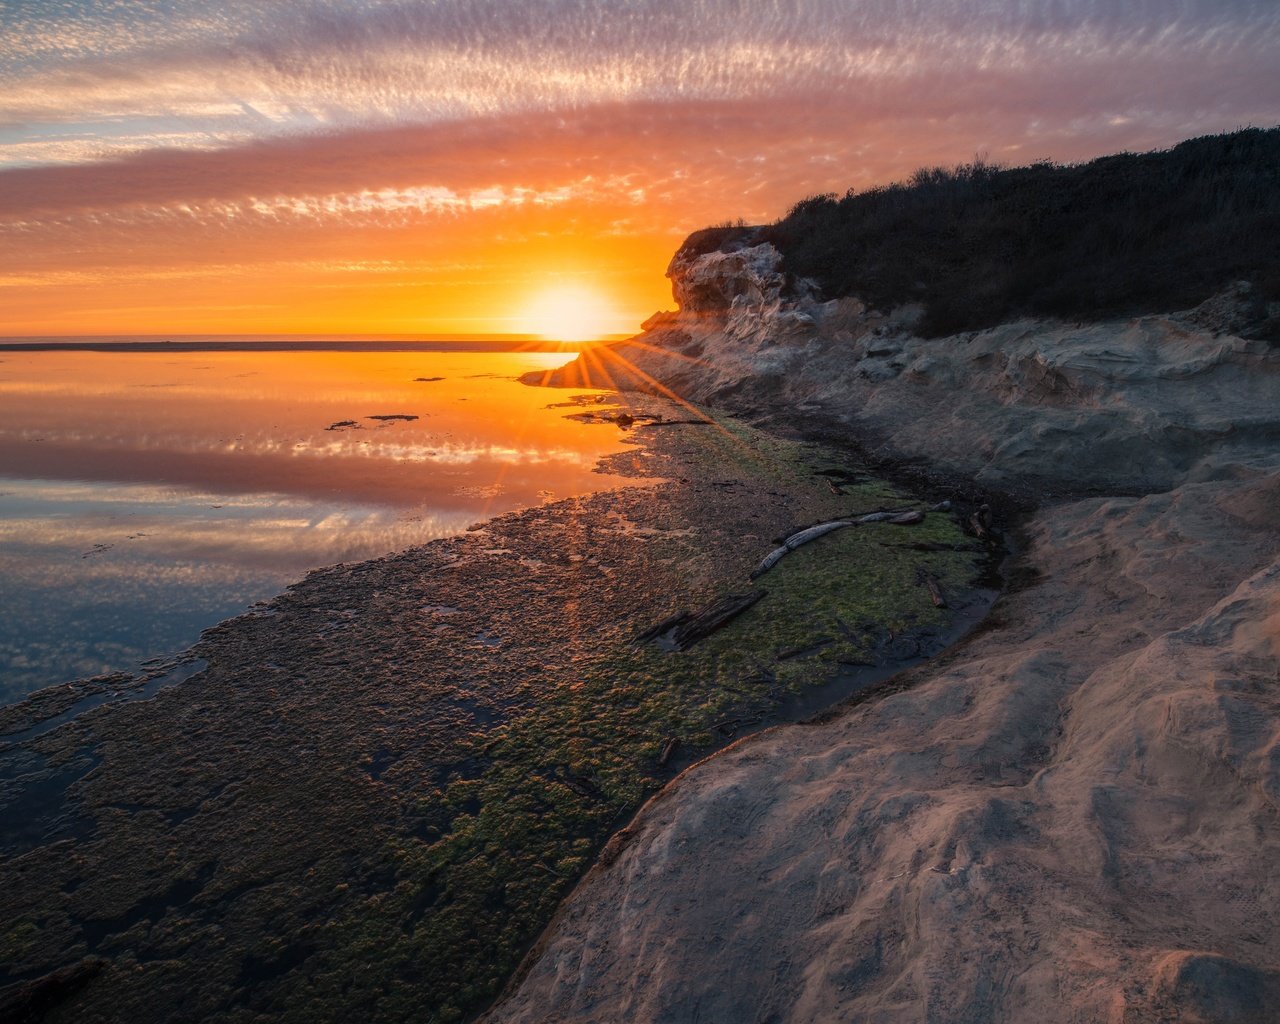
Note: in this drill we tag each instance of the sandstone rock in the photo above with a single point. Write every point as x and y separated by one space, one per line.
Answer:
1072 819
710 283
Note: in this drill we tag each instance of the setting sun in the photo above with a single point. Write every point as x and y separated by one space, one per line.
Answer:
571 313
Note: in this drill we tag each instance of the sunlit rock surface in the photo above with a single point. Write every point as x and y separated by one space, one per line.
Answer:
1072 818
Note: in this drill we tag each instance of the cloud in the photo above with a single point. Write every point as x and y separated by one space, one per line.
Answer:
273 69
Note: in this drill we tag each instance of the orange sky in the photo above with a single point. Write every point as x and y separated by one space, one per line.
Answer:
376 167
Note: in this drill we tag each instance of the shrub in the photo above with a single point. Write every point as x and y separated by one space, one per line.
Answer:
978 244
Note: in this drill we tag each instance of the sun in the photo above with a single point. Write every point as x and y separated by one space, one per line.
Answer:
570 313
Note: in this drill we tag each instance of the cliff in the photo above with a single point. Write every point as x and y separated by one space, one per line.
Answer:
1074 816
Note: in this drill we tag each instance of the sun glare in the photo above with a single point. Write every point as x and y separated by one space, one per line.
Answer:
570 313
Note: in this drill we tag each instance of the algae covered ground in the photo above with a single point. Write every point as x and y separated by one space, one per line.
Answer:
378 791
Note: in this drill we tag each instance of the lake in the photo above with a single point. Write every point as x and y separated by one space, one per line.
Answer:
146 495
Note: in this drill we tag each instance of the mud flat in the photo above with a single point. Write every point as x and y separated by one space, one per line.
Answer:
364 799
1075 816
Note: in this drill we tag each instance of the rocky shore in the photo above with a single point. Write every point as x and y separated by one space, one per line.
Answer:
1073 817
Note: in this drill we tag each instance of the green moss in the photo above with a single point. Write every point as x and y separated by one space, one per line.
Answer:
566 772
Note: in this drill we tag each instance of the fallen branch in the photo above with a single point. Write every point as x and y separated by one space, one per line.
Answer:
898 517
715 617
795 540
980 522
684 629
935 590
878 515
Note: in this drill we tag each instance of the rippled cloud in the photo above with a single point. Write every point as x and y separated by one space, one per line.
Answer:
263 69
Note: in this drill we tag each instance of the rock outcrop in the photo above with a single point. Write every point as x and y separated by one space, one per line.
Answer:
1152 401
1073 817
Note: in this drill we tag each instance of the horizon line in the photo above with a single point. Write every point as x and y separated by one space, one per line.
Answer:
294 342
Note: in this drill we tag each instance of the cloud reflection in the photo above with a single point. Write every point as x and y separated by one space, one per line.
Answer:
57 540
145 496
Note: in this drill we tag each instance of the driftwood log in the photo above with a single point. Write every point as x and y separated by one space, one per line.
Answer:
880 515
665 626
713 617
907 518
685 629
795 540
981 521
894 516
935 590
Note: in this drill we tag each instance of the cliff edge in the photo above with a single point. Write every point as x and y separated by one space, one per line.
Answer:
1074 816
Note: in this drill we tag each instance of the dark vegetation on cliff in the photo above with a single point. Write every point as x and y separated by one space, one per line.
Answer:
977 244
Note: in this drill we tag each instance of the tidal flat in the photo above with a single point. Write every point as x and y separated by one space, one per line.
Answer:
149 492
375 794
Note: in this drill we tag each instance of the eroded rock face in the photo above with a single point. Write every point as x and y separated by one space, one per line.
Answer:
717 282
710 283
1072 819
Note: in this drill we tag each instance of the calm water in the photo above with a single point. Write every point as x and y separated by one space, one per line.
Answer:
145 496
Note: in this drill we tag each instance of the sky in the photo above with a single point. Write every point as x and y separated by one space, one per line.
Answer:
460 166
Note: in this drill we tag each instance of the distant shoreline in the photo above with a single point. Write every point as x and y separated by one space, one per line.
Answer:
294 345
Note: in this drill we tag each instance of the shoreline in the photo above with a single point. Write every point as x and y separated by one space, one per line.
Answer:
163 493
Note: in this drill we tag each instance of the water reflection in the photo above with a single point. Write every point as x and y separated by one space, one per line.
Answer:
145 496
